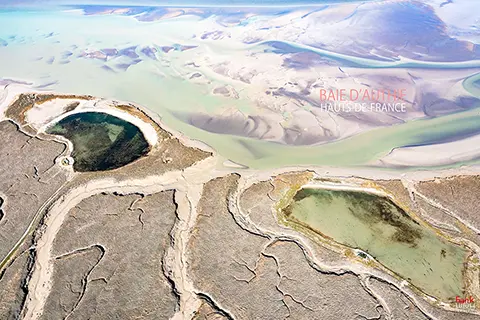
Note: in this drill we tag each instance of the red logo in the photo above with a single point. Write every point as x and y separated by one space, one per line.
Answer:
463 301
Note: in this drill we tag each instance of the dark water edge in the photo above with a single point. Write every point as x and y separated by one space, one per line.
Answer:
370 209
101 141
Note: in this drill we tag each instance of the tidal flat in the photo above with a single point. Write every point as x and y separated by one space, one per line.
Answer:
272 86
101 141
385 232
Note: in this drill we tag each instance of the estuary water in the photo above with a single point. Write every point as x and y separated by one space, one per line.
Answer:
45 49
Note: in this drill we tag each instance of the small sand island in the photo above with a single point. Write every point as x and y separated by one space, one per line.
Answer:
95 179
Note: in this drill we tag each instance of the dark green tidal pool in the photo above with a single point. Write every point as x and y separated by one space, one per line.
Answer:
101 141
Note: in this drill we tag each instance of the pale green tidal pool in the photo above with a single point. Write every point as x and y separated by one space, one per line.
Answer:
377 226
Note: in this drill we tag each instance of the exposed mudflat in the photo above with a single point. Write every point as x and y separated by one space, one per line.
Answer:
459 195
108 258
28 178
177 234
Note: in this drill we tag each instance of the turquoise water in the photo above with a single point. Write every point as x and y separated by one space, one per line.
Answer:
472 85
45 48
377 64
